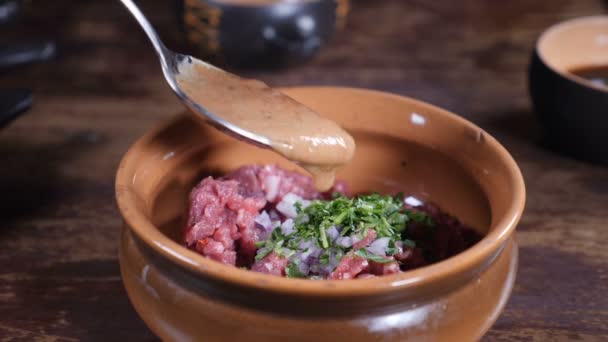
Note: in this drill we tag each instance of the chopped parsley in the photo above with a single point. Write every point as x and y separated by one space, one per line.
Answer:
364 253
292 270
322 224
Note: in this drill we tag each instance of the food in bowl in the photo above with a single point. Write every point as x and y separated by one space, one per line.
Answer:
182 295
274 221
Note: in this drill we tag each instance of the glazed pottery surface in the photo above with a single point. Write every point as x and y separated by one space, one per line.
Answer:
402 145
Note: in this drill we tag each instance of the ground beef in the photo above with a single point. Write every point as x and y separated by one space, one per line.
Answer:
353 266
288 182
377 268
371 236
275 182
365 276
220 213
249 183
446 238
410 257
349 267
271 264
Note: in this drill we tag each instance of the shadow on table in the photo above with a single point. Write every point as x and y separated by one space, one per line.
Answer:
523 127
30 181
520 124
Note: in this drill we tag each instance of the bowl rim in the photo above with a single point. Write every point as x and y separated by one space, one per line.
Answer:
467 260
562 25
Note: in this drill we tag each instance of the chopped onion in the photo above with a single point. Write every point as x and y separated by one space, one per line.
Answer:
304 244
332 232
274 225
263 221
331 266
344 241
287 227
355 238
287 205
303 267
378 247
274 215
303 219
315 251
413 201
304 255
312 254
399 246
271 185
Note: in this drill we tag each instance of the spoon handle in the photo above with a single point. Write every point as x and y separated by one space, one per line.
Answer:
160 48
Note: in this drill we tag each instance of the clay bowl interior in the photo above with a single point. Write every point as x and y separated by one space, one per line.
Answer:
402 145
572 109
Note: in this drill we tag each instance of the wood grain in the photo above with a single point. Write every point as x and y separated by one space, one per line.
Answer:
59 276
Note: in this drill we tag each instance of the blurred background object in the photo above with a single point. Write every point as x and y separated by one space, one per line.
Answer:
260 33
9 9
568 89
14 101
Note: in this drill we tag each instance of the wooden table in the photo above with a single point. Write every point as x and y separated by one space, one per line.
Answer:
59 226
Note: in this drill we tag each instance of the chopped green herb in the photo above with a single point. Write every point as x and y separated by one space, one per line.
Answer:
292 271
409 243
324 258
262 253
298 206
259 244
421 217
364 253
351 217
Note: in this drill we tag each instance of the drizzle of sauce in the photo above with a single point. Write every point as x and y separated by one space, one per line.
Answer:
298 133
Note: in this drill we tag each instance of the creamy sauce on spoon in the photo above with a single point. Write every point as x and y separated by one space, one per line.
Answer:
317 144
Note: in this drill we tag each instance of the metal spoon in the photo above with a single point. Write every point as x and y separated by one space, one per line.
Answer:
170 62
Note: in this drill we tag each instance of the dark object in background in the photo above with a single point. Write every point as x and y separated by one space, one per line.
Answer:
572 110
9 9
595 74
276 34
24 53
12 103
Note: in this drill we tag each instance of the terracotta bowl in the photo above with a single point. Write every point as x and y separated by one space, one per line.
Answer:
572 109
401 143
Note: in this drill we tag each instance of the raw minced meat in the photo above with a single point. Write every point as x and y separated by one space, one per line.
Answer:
274 221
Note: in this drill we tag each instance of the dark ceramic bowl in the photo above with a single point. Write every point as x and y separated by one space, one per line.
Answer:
572 110
268 33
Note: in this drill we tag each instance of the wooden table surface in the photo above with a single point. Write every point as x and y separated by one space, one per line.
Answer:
59 226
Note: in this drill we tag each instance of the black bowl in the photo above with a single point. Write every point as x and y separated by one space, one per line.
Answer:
572 110
275 34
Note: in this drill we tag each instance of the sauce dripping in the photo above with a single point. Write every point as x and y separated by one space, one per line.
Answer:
298 133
